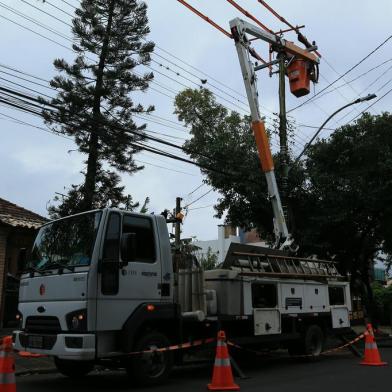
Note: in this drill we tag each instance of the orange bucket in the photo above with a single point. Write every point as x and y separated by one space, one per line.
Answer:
299 77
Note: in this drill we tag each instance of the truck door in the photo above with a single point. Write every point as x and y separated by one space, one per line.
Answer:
266 315
123 285
339 308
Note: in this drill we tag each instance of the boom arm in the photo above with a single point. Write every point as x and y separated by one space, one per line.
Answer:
239 29
267 164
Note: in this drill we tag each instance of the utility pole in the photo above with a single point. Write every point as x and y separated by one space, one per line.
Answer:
283 141
177 224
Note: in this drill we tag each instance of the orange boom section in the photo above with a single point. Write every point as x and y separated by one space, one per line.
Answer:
263 146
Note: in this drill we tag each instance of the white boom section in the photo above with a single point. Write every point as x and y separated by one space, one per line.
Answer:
250 80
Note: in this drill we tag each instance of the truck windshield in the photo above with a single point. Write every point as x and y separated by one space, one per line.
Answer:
67 242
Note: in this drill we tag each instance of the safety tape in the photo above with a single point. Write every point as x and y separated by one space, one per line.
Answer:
194 343
358 338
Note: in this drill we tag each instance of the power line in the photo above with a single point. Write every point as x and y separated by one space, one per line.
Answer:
162 167
355 79
342 76
372 104
196 189
36 22
27 80
66 2
68 138
156 54
191 81
135 144
203 81
59 9
46 13
36 33
199 198
27 88
23 73
199 208
367 87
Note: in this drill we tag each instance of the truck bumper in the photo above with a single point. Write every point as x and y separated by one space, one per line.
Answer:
66 346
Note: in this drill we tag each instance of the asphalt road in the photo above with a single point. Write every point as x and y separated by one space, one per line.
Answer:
334 372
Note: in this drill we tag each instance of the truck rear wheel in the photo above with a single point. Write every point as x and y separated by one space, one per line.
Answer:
73 369
312 342
153 367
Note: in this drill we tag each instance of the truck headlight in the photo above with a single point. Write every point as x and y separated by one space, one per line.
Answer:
77 321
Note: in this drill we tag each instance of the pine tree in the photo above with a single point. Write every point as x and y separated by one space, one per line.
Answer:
109 193
94 91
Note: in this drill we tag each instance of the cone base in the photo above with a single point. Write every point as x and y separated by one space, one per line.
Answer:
374 364
233 387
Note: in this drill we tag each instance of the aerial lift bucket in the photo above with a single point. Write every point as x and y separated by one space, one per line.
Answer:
299 77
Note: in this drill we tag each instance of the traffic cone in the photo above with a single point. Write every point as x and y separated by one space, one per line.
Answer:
7 366
372 356
222 376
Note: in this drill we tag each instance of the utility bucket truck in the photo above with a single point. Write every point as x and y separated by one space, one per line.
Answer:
101 284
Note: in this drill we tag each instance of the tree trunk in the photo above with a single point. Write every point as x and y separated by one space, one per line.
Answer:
93 154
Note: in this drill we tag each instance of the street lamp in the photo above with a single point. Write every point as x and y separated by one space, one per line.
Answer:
307 145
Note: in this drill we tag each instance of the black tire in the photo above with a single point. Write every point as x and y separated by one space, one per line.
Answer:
73 369
150 368
312 343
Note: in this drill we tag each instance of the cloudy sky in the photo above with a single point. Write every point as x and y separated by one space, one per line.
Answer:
36 164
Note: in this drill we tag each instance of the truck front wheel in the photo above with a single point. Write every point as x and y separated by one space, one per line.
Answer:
73 369
150 368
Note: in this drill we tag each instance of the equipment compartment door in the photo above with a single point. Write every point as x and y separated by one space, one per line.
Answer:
266 321
340 317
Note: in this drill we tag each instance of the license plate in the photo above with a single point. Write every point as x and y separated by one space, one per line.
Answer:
35 341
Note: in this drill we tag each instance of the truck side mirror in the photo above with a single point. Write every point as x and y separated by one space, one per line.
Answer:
128 247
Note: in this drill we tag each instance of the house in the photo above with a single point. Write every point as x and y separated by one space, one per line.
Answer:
18 228
226 235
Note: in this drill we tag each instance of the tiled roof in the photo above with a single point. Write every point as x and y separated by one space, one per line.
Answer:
13 215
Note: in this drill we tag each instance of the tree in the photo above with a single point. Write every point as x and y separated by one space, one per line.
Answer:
108 194
225 141
340 196
94 91
209 260
348 210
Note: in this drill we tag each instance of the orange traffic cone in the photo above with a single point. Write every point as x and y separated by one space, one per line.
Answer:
372 356
7 366
222 376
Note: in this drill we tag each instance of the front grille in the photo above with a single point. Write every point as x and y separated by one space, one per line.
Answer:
43 324
48 341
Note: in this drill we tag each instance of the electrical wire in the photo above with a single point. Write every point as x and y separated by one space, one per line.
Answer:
342 76
199 198
136 144
36 22
372 104
199 208
46 13
58 8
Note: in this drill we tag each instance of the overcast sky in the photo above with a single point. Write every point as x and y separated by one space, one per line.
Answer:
35 165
